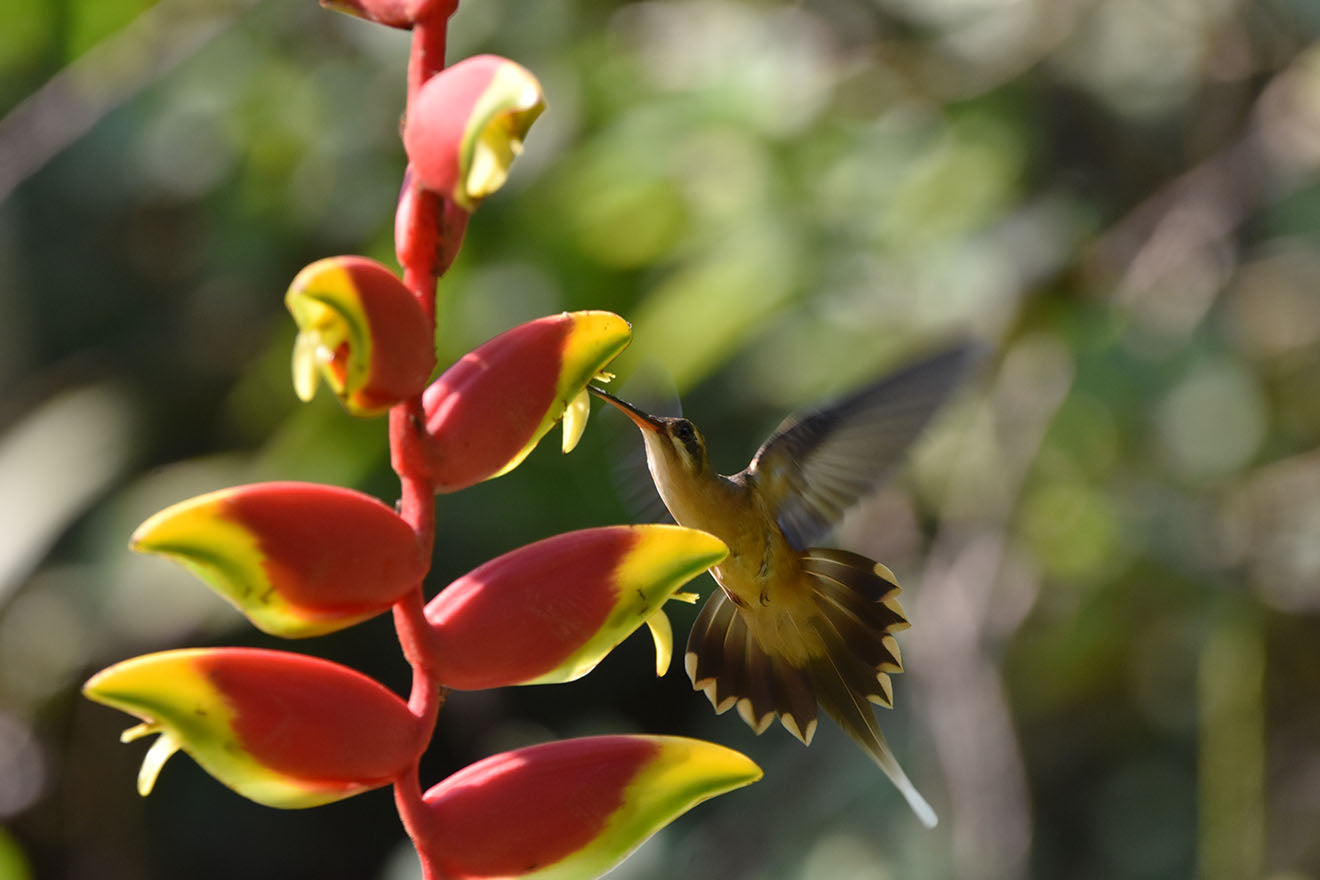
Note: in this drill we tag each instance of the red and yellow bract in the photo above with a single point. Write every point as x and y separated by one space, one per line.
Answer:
572 808
550 611
282 729
299 559
490 409
467 125
362 331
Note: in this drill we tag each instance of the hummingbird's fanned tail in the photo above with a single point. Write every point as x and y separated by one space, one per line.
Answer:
858 603
848 654
726 662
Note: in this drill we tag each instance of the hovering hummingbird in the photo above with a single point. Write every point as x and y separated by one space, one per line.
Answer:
794 625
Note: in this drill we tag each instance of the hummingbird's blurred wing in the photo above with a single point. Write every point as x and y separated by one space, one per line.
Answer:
817 464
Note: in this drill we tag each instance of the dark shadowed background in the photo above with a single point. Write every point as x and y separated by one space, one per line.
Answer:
1110 543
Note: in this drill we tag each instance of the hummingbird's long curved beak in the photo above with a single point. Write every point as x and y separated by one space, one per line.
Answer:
643 420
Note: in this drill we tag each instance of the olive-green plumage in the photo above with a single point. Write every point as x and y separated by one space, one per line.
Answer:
793 625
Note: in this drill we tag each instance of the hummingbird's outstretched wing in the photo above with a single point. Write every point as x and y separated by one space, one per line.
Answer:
817 464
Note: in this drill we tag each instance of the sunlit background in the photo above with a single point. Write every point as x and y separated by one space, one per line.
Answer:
1110 543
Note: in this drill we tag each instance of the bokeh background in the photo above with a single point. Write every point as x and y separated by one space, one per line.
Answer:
1110 543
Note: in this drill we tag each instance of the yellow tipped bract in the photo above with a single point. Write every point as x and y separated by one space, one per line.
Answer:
487 412
172 695
683 773
497 125
298 559
362 331
281 729
662 559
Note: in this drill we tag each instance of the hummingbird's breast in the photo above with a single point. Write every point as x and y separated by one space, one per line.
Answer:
763 574
761 565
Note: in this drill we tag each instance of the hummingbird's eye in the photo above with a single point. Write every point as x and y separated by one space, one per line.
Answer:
685 434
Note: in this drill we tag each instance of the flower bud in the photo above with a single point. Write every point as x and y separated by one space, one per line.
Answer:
490 409
550 611
428 231
361 330
299 559
281 729
395 13
467 124
573 808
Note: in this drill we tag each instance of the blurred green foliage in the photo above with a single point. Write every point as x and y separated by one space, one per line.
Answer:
1110 544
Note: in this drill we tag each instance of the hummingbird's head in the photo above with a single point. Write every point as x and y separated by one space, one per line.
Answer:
681 444
673 445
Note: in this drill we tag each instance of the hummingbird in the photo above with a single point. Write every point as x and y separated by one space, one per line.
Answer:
793 625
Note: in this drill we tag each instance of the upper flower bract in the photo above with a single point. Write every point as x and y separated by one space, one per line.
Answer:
490 409
467 125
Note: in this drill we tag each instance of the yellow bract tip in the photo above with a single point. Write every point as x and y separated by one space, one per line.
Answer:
499 122
702 769
494 152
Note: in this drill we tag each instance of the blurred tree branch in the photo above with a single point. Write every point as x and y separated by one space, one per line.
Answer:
75 99
962 611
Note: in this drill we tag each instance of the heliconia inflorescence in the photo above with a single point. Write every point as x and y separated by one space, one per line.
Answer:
300 559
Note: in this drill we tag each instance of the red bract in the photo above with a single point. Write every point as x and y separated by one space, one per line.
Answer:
282 729
573 808
428 230
361 330
395 13
489 410
467 125
299 559
550 611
